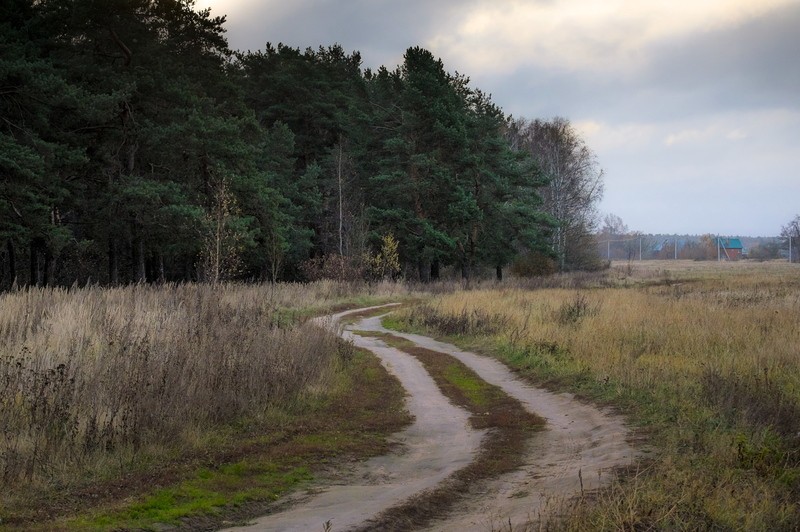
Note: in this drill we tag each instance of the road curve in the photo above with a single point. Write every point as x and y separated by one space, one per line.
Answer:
438 443
579 447
580 444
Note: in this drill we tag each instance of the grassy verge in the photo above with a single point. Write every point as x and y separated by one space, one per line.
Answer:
509 424
229 484
702 361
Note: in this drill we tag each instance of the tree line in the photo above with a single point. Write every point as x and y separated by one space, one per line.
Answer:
616 242
136 146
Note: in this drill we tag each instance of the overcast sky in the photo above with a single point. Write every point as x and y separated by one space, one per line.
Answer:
692 106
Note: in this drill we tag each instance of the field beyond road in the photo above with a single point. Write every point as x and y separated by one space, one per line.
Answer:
702 358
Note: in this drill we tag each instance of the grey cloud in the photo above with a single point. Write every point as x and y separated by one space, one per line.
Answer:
755 64
380 29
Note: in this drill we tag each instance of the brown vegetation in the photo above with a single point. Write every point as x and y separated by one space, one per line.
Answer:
98 384
97 371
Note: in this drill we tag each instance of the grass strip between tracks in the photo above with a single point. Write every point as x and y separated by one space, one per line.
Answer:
503 449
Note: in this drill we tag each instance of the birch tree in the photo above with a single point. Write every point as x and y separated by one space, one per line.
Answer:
791 232
575 185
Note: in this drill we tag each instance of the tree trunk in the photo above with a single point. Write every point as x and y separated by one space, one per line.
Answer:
216 262
435 270
33 280
421 270
162 278
187 270
49 268
275 256
499 272
113 262
12 262
341 216
141 267
32 264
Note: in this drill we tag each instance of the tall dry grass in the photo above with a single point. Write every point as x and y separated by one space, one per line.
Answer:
87 375
704 357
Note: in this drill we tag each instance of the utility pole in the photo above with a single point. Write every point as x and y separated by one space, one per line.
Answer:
640 249
676 248
608 251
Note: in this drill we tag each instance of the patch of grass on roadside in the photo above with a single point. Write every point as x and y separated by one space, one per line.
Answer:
352 422
395 322
388 338
208 494
382 306
368 313
508 423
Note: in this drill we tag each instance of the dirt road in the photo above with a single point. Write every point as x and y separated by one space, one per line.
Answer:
579 445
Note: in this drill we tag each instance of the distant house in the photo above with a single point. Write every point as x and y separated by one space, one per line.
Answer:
730 248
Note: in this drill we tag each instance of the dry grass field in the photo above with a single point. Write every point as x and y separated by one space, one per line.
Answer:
197 387
98 383
704 359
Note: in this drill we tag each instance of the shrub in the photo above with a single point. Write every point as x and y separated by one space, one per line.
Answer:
572 311
333 267
533 264
386 264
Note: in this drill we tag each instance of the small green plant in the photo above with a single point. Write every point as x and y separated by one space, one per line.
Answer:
386 263
574 310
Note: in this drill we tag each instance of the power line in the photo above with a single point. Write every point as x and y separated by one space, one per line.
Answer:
609 242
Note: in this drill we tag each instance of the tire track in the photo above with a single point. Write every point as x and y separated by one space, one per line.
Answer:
437 444
579 446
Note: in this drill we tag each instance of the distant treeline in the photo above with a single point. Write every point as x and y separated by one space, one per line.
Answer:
136 146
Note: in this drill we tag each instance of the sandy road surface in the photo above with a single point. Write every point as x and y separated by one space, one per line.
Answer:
580 442
578 438
437 444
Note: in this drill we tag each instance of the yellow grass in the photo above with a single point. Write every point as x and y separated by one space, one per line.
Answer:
745 321
705 356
